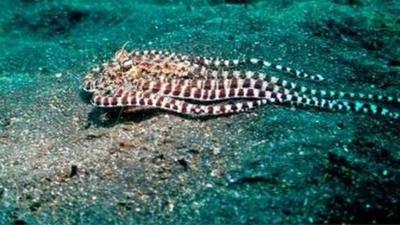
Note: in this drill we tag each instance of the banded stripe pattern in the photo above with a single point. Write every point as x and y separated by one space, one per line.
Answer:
203 86
179 106
225 63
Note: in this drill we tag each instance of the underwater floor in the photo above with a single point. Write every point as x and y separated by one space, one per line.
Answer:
63 162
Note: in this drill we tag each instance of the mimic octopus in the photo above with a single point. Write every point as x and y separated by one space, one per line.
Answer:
204 86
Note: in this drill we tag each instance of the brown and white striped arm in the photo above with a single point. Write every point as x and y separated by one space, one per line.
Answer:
226 63
153 100
202 64
256 79
176 105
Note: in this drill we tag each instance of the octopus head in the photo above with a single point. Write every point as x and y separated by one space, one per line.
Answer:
110 73
100 77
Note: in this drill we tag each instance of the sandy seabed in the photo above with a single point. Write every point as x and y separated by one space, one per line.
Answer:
63 162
